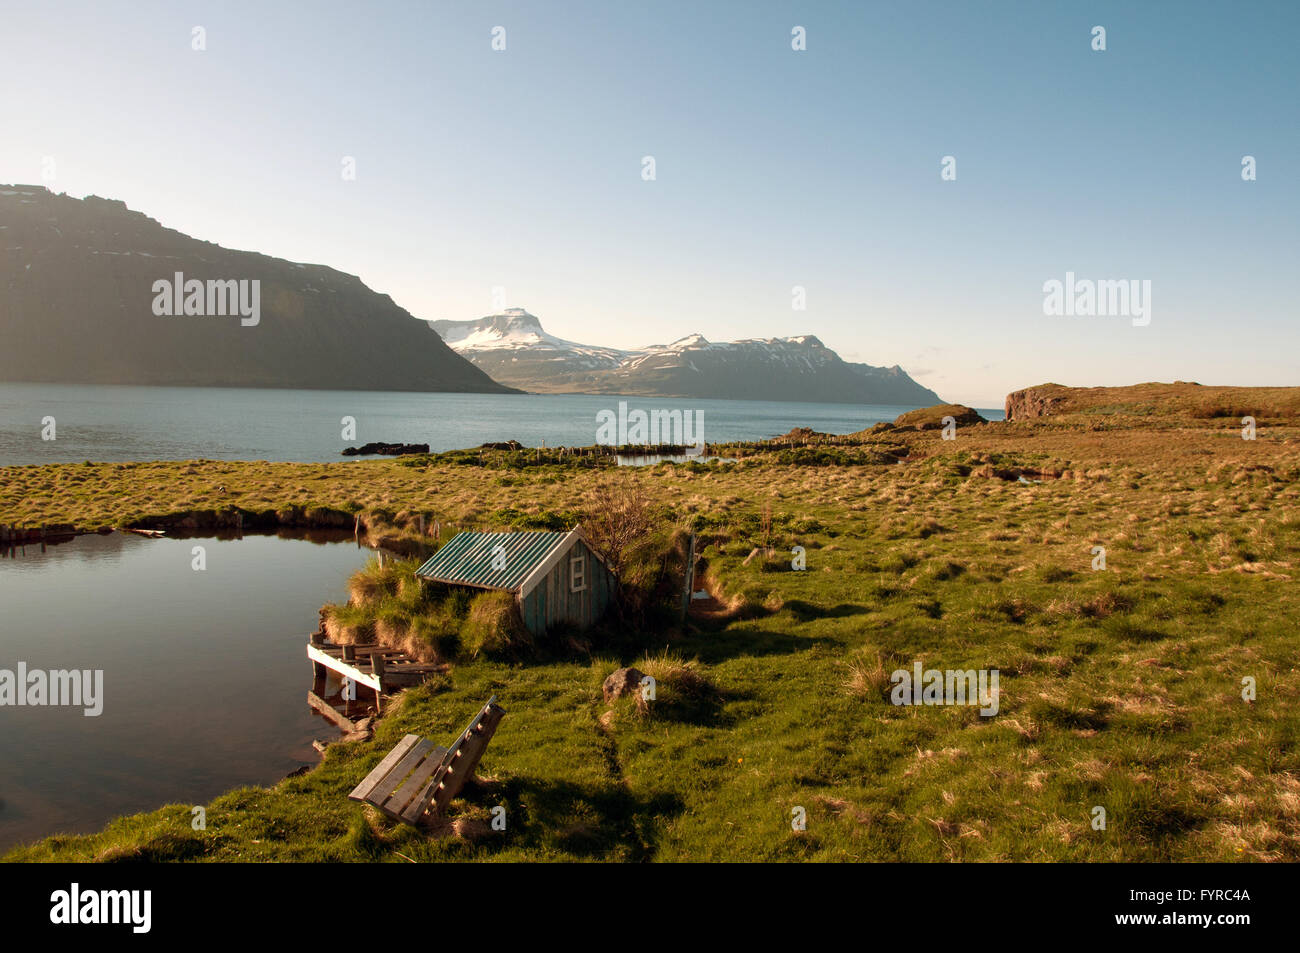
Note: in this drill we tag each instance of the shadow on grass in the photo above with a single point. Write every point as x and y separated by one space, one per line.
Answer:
703 706
1133 630
163 848
588 821
808 611
1094 717
719 645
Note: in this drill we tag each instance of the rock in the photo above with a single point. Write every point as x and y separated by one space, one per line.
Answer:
931 418
1032 402
625 681
508 445
385 449
802 435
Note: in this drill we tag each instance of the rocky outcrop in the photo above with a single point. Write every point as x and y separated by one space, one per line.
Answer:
802 435
1192 402
385 449
1033 402
932 418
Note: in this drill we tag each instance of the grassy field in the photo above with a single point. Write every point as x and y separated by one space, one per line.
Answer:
1120 688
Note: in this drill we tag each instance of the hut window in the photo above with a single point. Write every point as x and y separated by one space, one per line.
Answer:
577 572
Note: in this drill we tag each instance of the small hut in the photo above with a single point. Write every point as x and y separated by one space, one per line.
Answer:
554 577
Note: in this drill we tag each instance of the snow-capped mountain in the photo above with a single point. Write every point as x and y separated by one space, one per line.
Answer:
514 349
513 329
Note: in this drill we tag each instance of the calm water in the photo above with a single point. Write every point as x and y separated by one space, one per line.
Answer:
205 673
180 423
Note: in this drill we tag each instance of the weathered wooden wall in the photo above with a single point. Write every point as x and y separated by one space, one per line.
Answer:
552 601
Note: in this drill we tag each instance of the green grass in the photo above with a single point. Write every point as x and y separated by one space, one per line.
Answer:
1119 688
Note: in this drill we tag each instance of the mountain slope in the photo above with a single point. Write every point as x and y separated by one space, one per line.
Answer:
77 305
515 349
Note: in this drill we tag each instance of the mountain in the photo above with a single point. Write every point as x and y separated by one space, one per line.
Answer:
515 335
80 301
514 348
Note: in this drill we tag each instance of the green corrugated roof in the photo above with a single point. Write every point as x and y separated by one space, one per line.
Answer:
466 559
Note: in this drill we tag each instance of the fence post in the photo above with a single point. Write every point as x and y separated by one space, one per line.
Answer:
689 577
377 666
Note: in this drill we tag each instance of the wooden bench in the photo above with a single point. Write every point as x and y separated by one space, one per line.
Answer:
419 776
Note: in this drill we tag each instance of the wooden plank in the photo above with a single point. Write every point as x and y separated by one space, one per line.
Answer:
418 775
362 790
394 680
427 799
458 763
461 768
330 712
343 668
401 799
379 794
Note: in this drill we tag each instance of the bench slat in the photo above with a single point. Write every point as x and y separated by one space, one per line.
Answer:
384 788
362 790
458 763
470 753
401 799
418 775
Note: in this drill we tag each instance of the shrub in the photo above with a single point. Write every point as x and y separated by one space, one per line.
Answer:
867 677
493 625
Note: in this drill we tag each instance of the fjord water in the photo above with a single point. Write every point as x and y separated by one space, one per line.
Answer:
119 423
205 674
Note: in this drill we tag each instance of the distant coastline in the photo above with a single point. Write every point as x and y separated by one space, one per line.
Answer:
120 422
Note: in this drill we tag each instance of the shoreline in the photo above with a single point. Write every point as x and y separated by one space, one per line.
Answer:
944 551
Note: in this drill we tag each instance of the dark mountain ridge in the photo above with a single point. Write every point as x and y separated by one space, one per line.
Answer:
77 305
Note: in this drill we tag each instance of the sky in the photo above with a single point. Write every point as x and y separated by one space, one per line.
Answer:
519 171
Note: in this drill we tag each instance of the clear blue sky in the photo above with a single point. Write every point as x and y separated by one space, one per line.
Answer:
775 168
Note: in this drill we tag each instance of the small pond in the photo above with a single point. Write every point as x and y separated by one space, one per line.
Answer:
205 673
